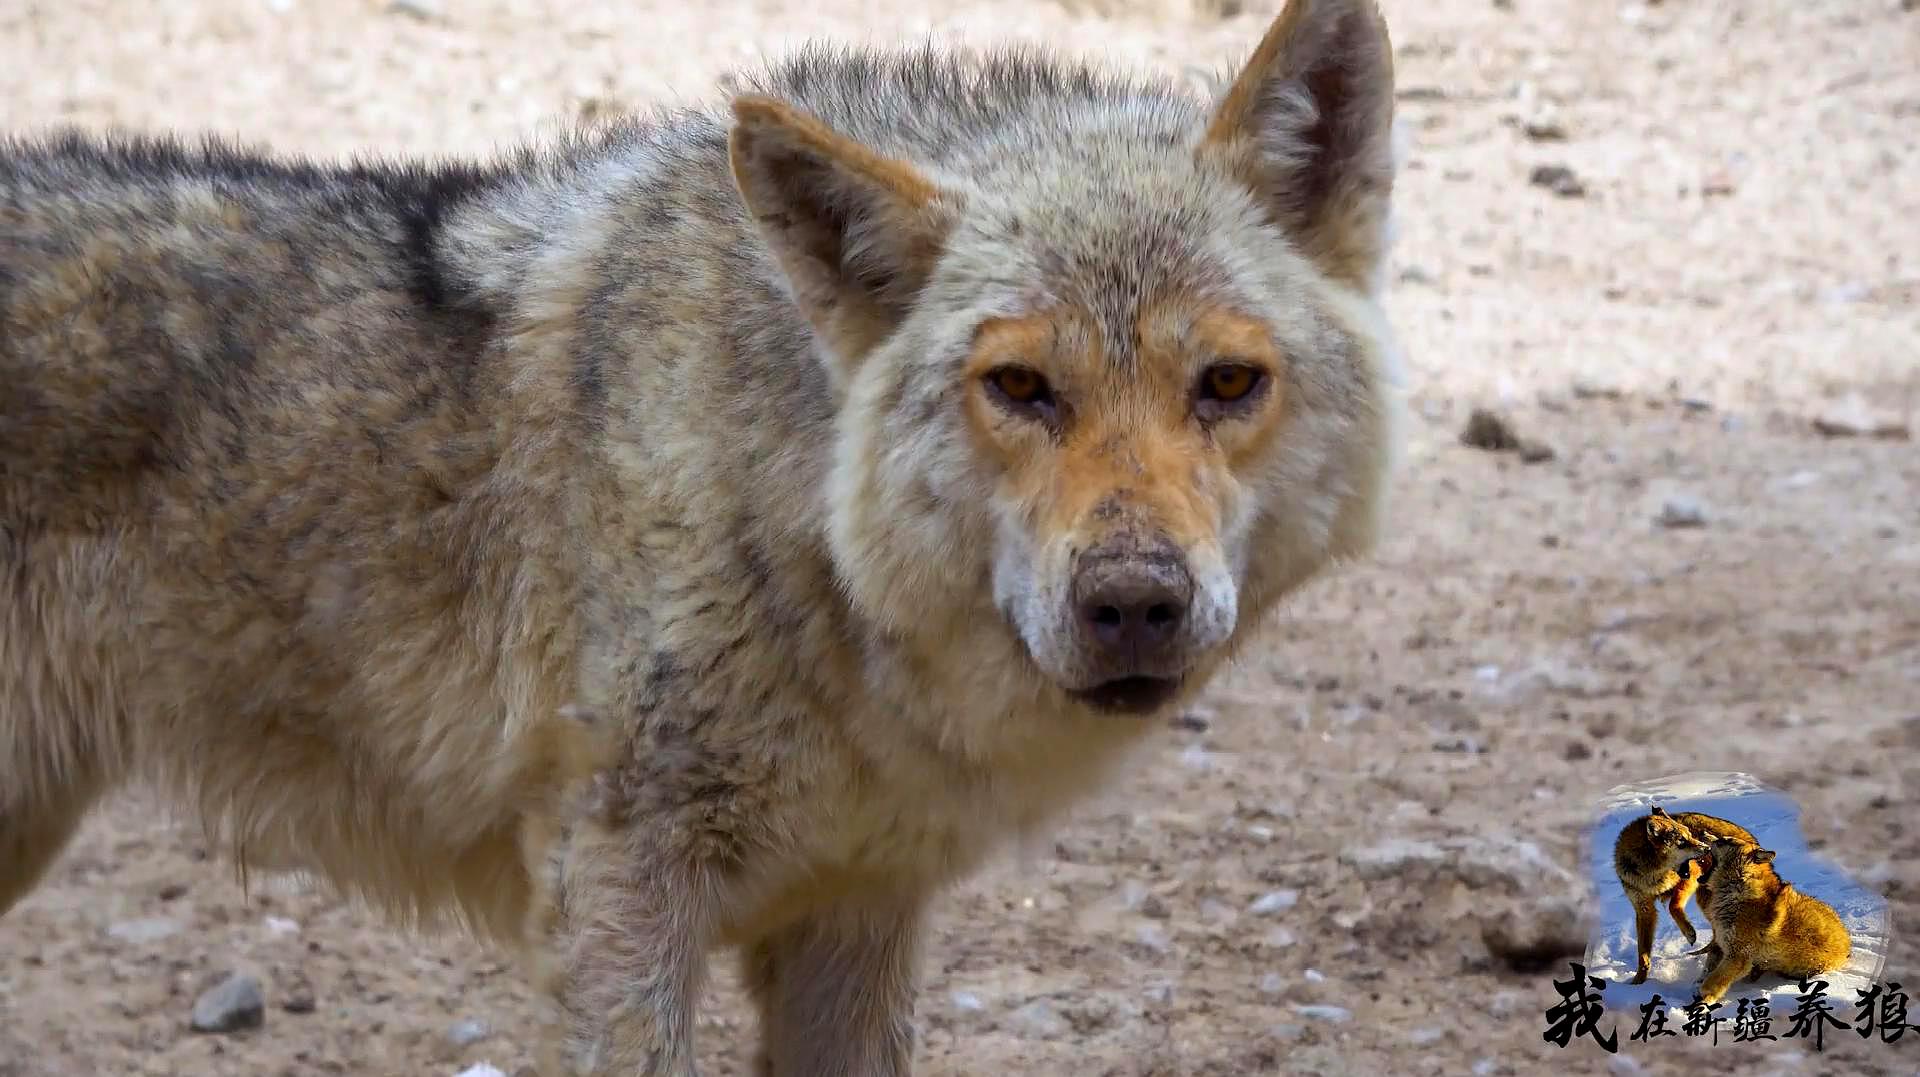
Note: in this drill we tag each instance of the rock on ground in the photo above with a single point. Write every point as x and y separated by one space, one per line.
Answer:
234 1003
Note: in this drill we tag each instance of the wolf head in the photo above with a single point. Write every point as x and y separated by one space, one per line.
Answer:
1675 844
1738 864
1111 358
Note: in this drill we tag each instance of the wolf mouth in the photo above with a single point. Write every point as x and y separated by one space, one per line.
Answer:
1130 695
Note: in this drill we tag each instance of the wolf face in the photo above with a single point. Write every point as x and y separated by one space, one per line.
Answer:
1116 370
1738 863
1675 844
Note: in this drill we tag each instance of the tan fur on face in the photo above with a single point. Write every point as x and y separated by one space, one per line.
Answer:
1128 451
1125 462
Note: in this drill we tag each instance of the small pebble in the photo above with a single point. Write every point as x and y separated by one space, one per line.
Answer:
1272 983
1325 1013
1559 179
483 1069
967 1002
468 1031
1682 511
1855 418
1038 1017
1487 429
1535 452
230 1005
1274 901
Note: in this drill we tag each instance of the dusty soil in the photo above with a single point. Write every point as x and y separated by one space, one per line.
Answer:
1734 257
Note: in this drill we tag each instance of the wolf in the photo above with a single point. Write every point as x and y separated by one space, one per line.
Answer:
1663 856
712 531
1762 924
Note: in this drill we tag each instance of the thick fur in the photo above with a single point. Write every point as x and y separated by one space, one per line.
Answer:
1762 924
616 547
1660 856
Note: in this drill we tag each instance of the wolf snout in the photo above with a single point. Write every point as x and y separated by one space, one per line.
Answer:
1133 610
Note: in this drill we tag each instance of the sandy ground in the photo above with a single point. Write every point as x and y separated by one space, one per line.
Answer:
1737 258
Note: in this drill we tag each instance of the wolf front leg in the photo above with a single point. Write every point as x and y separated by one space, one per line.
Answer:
1644 918
1728 969
836 992
624 930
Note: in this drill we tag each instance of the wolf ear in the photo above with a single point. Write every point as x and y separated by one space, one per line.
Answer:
1308 124
1761 856
855 232
1658 810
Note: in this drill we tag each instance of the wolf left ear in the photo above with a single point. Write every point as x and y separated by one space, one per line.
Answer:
855 232
1761 856
1308 124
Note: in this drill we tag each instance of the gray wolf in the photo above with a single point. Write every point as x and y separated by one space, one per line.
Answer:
717 530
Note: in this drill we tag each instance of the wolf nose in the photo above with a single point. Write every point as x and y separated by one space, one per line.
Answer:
1134 611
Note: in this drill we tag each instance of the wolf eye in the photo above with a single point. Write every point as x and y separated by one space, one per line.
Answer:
1225 387
1231 381
1022 390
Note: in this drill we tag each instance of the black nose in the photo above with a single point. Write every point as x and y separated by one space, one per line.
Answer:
1133 611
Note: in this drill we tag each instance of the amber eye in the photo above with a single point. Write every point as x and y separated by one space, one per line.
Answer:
1022 391
1226 389
1020 385
1229 382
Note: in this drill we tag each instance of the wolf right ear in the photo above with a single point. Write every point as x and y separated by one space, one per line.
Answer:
856 233
1658 810
1761 856
1308 124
